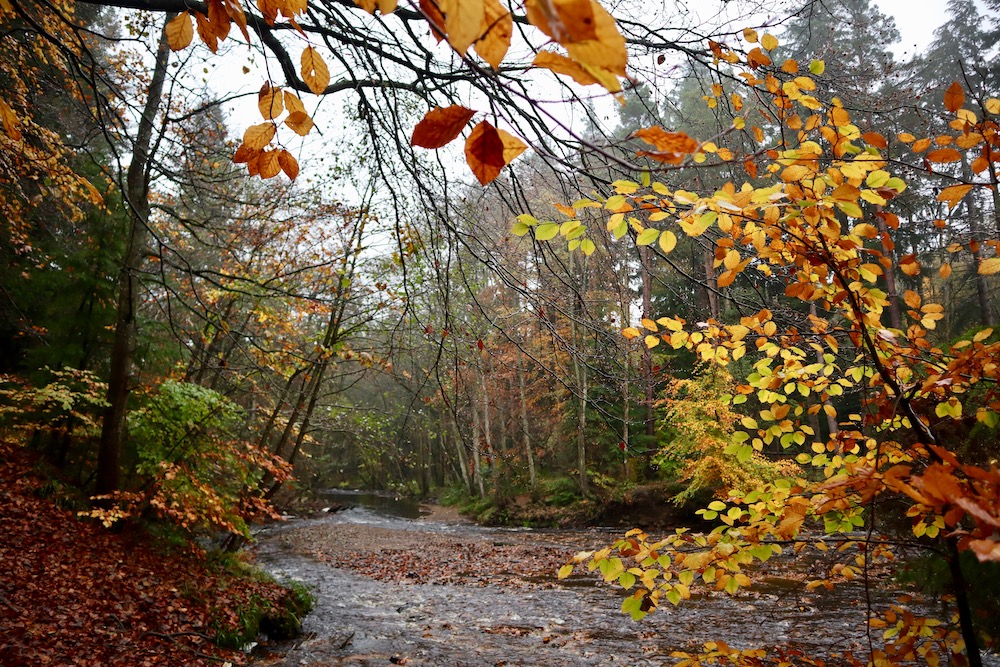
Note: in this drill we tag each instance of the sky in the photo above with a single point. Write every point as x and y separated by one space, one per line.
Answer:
915 20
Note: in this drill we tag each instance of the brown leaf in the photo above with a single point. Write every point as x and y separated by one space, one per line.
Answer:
434 17
944 155
244 153
180 32
440 126
219 18
269 164
206 31
484 151
954 97
288 164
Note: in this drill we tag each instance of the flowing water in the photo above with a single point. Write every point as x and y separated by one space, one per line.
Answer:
534 620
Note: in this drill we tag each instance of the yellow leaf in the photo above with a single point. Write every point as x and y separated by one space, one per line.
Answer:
293 103
769 42
988 267
315 73
649 324
496 31
954 194
463 19
993 106
750 35
667 241
258 136
560 64
631 332
651 341
585 29
180 32
817 67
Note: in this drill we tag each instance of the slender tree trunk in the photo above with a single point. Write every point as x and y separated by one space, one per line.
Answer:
137 196
460 448
477 468
892 293
525 433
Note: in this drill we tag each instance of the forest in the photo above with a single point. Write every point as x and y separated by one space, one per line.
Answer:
728 278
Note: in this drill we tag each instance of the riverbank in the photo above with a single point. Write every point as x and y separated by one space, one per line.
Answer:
73 592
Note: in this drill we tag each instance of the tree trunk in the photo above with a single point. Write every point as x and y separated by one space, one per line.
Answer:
524 421
137 197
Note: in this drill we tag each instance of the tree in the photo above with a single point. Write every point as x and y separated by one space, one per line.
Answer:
900 455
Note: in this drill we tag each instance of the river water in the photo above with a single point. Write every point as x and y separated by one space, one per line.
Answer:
517 619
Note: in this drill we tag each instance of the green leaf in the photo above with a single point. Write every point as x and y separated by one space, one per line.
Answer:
674 596
546 231
717 505
519 229
647 236
817 67
587 247
626 580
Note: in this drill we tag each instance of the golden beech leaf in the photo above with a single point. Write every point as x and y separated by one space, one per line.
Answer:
989 267
954 97
206 31
288 164
293 103
750 35
564 65
671 147
315 73
909 265
769 42
496 31
180 32
912 299
239 17
269 101
366 5
269 164
757 58
953 194
512 146
258 136
484 151
631 332
244 153
463 20
944 155
10 121
218 17
440 126
299 122
584 28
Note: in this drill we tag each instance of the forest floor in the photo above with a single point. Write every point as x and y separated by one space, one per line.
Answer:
73 592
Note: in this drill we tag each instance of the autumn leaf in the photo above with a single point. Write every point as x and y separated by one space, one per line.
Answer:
769 42
585 29
257 136
430 9
496 31
954 97
269 165
989 267
953 194
288 164
299 122
180 32
463 20
564 65
269 101
484 152
206 31
10 121
944 155
671 147
512 146
315 73
439 126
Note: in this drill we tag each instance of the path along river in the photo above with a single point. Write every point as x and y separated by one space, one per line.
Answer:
433 590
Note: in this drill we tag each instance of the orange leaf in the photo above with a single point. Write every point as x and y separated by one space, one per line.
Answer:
315 73
258 136
288 164
434 17
219 18
10 121
586 30
920 145
300 122
945 270
756 58
484 152
180 32
293 103
671 147
944 155
269 165
875 139
464 20
496 31
440 125
953 193
206 30
512 146
269 101
954 97
244 153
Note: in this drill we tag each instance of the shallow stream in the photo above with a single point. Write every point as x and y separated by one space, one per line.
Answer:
503 618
